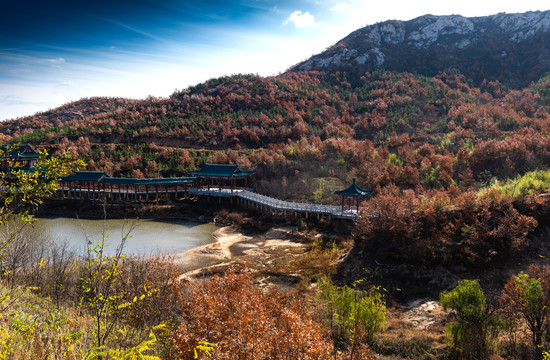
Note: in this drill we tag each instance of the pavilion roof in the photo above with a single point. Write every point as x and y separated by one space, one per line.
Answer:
21 150
217 170
148 181
85 176
353 191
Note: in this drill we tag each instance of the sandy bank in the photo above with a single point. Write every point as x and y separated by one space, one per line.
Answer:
231 243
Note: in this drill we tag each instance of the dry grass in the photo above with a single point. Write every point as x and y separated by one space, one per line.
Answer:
317 260
404 340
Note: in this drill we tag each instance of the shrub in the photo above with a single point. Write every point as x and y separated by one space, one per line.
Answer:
475 328
241 322
353 314
532 182
527 296
151 287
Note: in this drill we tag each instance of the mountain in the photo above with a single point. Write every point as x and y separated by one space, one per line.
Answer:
511 48
385 127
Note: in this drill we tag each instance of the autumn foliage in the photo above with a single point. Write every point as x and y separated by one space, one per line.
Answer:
527 297
442 227
242 322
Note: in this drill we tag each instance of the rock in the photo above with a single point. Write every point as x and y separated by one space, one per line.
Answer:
378 44
422 313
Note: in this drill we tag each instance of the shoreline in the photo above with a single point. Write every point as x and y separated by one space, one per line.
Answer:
233 247
226 237
209 256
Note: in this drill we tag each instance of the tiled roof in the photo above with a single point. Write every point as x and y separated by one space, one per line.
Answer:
221 170
354 191
85 176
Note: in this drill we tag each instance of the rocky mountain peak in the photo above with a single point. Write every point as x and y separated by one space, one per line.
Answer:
452 40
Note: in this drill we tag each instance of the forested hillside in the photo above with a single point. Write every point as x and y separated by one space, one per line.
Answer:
309 133
382 127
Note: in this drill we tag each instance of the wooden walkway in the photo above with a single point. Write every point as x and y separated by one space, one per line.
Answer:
246 198
275 207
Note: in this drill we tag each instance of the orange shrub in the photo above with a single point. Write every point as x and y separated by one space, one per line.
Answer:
244 323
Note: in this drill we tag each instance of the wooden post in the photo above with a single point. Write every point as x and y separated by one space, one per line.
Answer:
342 204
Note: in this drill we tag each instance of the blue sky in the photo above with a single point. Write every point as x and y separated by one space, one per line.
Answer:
54 51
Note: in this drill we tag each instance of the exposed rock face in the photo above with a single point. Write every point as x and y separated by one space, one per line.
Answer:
446 41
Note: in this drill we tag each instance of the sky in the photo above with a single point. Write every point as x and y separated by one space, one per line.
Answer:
56 51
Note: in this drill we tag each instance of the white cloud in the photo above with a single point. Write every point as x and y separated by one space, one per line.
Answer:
301 19
339 6
56 61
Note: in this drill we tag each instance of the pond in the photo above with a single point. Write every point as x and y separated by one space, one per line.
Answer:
147 236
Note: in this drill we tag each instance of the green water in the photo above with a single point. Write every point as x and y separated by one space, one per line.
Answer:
147 236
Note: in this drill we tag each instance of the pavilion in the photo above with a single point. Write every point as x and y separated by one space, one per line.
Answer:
353 192
21 156
221 173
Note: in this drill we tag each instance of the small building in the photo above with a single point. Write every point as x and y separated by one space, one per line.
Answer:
353 192
20 156
211 175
